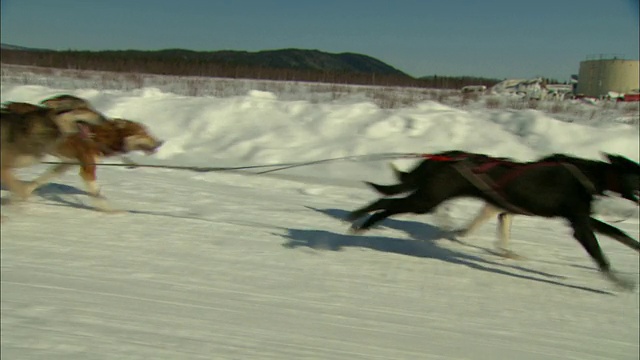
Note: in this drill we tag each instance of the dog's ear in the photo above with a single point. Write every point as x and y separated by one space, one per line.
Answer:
623 162
612 159
120 123
60 111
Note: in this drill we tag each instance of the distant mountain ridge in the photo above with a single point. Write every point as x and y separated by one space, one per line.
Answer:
281 64
16 47
297 59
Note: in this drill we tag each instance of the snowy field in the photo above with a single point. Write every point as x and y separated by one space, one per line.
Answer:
237 265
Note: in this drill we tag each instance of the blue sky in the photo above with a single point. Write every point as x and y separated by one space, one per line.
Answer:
490 38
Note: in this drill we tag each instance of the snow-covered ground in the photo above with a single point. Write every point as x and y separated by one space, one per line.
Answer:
234 265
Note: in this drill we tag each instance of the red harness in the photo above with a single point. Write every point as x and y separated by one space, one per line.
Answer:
487 164
436 157
516 169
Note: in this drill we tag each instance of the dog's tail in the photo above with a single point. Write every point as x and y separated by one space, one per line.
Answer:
399 174
406 184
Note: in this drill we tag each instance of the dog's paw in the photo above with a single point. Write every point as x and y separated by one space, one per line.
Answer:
457 233
621 283
28 187
101 204
106 209
625 285
509 254
23 191
355 230
351 217
113 211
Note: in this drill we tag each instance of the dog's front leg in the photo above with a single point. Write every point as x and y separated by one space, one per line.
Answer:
88 175
583 232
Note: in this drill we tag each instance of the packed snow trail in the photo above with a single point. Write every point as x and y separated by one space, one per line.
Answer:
229 266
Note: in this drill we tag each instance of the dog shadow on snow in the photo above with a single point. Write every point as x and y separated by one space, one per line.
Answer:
63 195
424 244
55 193
70 196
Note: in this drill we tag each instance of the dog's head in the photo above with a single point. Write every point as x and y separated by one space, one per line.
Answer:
628 173
136 136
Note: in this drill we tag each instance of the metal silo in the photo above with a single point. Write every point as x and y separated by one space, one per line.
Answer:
599 76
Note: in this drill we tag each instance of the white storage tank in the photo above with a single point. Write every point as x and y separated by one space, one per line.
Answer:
600 76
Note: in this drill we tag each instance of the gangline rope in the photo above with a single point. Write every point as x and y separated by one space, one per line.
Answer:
270 167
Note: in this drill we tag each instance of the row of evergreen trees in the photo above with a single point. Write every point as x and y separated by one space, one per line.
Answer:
135 62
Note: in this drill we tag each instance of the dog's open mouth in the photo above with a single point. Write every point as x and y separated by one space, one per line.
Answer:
142 143
150 150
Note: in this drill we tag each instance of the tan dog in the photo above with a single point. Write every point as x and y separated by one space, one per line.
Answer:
116 137
26 137
113 138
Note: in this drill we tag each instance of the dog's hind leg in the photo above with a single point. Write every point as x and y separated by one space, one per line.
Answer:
503 228
486 213
374 206
393 207
373 219
389 190
583 232
16 187
53 172
615 233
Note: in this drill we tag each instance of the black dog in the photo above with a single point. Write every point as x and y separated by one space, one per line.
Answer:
556 186
409 181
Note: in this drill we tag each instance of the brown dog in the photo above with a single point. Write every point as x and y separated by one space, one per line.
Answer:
27 136
113 138
116 137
